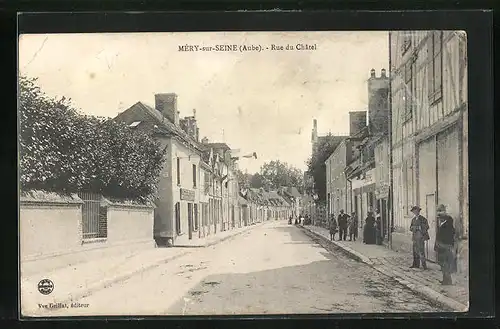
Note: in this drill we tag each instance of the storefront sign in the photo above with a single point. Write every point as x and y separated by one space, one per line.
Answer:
382 192
187 195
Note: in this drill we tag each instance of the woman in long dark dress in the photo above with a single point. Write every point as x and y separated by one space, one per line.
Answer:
445 243
369 229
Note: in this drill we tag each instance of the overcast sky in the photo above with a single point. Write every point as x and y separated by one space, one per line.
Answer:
263 101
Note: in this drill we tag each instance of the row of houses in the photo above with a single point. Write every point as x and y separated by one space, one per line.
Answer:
412 150
198 192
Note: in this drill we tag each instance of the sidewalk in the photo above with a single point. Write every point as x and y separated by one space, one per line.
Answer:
74 282
220 236
396 265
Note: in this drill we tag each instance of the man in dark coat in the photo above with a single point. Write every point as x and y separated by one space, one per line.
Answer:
342 222
445 241
419 228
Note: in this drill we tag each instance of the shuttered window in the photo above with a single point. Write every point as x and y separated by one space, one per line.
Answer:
435 70
406 45
178 171
408 92
194 175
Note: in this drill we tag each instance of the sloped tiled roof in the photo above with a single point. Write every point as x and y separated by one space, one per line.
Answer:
223 146
171 128
294 192
242 200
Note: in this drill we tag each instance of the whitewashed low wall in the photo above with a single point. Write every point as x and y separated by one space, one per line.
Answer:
130 223
48 224
51 231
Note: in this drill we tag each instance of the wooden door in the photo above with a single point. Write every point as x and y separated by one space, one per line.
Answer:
190 220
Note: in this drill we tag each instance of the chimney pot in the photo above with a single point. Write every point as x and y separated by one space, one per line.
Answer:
372 73
383 74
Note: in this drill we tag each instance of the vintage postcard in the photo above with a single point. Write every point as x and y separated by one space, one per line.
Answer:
243 173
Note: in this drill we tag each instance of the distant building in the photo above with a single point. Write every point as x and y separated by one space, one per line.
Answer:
317 140
338 186
229 184
360 171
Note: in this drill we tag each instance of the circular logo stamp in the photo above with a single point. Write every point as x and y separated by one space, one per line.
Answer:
45 286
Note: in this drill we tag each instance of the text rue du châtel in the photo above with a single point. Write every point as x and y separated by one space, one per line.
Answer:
246 48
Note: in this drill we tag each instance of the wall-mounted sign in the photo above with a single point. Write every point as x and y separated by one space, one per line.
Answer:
382 192
187 195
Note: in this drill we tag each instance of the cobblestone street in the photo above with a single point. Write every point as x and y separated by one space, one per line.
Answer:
274 268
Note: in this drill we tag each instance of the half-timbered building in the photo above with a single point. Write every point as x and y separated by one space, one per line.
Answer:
428 72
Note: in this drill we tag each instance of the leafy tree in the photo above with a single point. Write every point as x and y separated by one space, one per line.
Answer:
244 179
64 151
316 167
276 174
258 181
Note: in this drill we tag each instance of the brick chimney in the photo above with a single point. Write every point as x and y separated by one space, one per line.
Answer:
357 121
166 103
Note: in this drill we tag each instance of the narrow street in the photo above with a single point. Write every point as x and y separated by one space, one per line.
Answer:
273 268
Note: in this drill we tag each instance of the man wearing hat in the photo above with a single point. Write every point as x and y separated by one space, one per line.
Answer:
419 228
444 246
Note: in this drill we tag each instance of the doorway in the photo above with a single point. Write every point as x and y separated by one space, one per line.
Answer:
178 218
383 215
190 220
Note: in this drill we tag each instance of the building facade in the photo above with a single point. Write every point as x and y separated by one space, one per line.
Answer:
177 212
382 182
337 186
429 129
361 171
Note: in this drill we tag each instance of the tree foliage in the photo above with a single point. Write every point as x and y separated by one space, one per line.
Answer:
272 175
64 151
279 174
316 167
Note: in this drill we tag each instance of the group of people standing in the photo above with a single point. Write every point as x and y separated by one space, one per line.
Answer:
444 245
345 224
348 224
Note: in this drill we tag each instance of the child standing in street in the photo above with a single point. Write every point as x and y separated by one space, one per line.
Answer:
333 228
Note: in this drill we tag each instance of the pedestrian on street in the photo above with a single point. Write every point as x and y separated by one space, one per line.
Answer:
419 228
378 227
342 222
445 243
353 227
369 228
333 227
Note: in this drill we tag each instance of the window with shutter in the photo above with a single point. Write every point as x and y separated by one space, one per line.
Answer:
406 45
178 171
194 175
435 69
408 92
